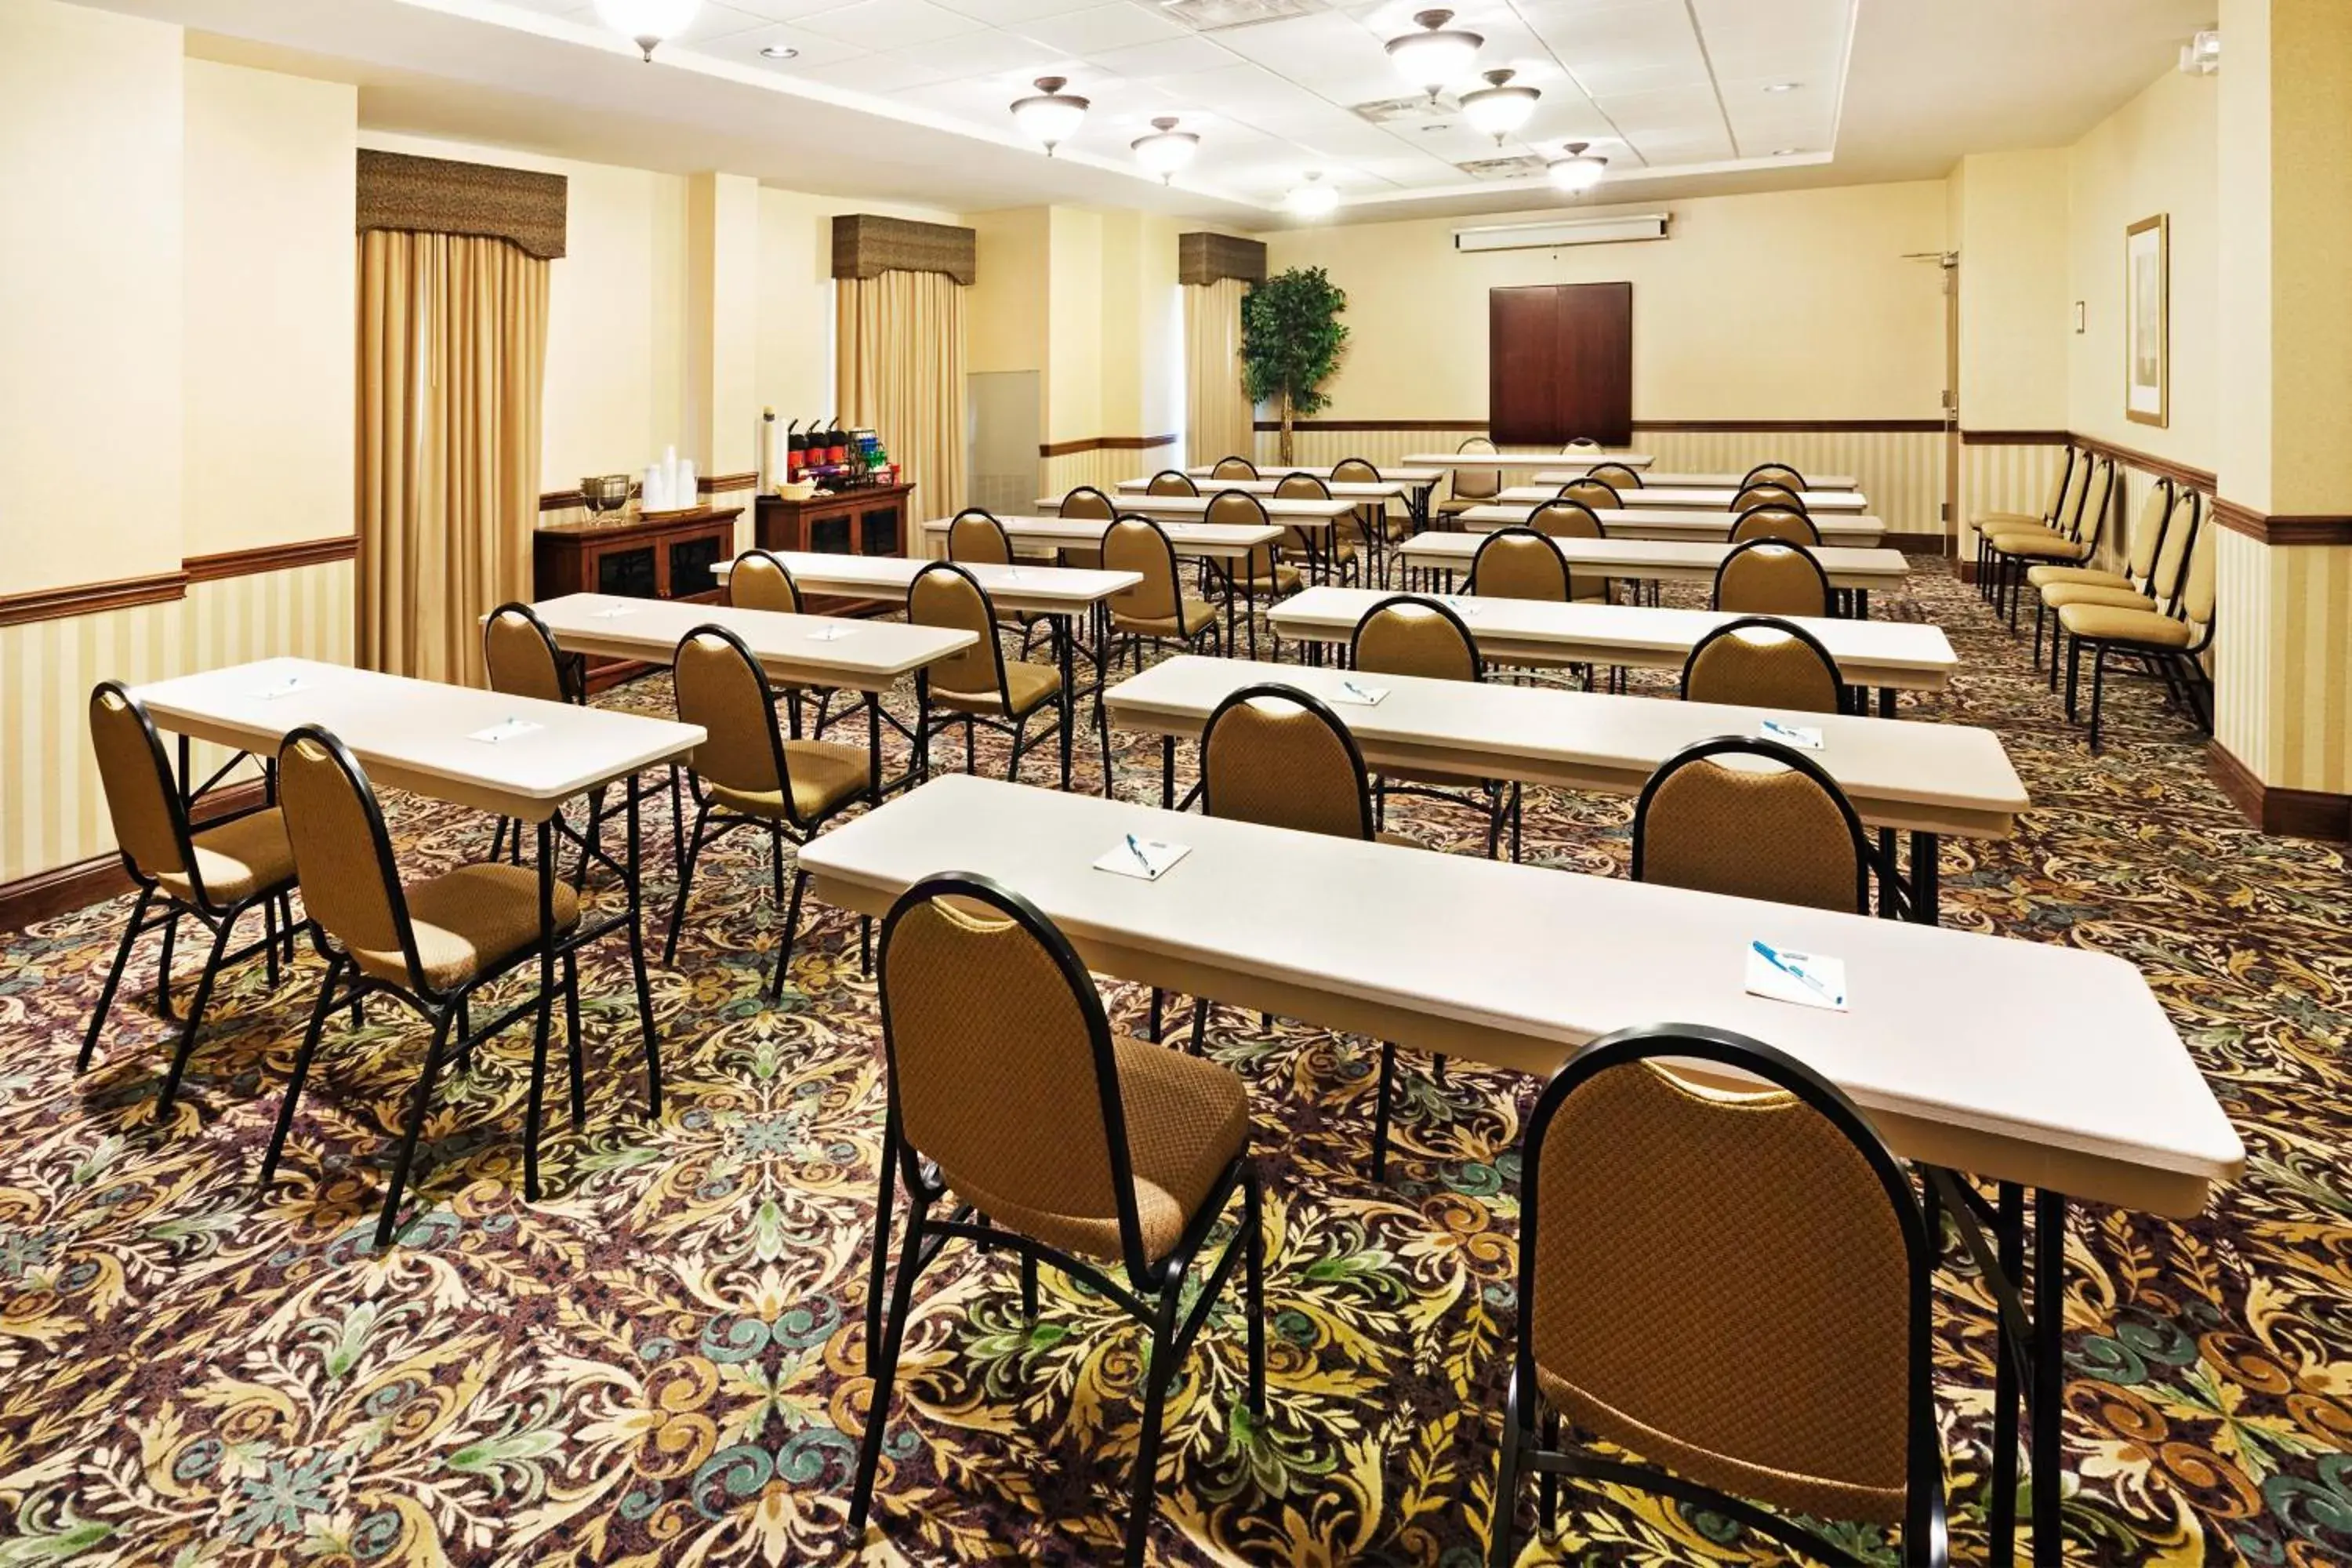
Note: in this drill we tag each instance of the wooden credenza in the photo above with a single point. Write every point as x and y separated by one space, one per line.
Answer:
877 521
643 558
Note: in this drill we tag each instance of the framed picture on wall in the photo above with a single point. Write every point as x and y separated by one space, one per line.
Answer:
2147 320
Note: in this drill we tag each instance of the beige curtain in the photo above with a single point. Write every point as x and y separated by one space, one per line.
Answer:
1217 414
451 366
898 371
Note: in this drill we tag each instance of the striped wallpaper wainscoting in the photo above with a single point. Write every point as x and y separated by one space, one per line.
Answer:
1899 463
2284 708
52 811
2004 470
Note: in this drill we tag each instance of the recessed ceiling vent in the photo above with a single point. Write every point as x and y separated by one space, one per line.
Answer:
1216 16
1415 111
1503 168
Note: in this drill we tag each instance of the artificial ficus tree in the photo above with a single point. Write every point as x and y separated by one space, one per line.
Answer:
1291 343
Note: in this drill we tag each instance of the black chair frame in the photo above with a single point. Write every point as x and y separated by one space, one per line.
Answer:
1151 1294
1762 623
1988 585
1865 856
1925 1536
928 722
2172 493
1495 802
572 676
1831 601
1769 473
1131 643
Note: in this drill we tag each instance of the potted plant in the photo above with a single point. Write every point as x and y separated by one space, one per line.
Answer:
1291 343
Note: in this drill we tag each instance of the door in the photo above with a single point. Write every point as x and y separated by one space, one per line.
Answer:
1951 519
1560 364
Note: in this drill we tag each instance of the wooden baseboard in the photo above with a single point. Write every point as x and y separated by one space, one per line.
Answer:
45 895
1916 543
2290 813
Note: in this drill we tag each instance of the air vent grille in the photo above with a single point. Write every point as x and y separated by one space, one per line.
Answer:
1502 168
1414 111
1216 16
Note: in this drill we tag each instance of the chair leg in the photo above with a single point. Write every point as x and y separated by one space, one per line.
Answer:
417 1104
685 885
791 929
877 1281
1380 1113
886 1368
301 1070
2098 691
114 978
1507 1481
572 1033
1549 1487
1253 1285
1158 1373
163 965
1029 1286
1199 1025
2073 673
195 1018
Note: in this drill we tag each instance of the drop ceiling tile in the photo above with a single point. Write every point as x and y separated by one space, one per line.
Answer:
1102 28
1625 75
1163 57
894 23
785 10
1008 12
1004 59
713 21
1666 110
815 52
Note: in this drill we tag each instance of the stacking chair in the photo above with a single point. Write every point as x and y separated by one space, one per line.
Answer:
1770 577
1380 522
1774 474
1406 635
1733 1282
431 944
975 536
1472 486
1770 520
1597 494
1089 502
1759 662
1339 553
1171 482
979 685
747 774
1616 476
1262 573
1573 520
217 874
2073 470
519 655
2014 550
2168 523
1275 755
1155 610
1109 1158
1756 493
1520 563
760 582
1786 835
1233 468
2170 641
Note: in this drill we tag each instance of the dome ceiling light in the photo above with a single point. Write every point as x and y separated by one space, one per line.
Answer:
1498 109
1166 149
1436 55
649 23
1578 172
1052 114
1312 200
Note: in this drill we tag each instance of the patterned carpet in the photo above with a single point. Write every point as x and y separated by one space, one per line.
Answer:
658 1363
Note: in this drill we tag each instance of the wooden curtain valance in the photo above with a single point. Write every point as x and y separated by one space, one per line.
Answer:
1203 259
434 195
865 246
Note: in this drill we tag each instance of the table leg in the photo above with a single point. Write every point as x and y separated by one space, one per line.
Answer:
546 989
187 773
1066 630
1891 891
637 955
1887 702
1167 772
1861 603
676 826
2001 1543
1926 887
2049 1373
874 747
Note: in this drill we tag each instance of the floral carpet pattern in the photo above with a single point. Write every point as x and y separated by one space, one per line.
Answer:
661 1362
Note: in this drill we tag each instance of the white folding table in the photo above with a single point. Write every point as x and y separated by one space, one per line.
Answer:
1447 556
1859 529
1709 481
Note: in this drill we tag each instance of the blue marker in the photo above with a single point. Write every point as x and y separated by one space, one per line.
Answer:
1796 974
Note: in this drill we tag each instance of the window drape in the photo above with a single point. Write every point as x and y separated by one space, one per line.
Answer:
452 365
1218 419
898 371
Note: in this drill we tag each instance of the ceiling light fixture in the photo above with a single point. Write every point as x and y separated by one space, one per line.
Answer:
1436 55
1052 114
649 24
1579 172
1498 109
1784 87
1166 149
780 52
1787 151
1313 199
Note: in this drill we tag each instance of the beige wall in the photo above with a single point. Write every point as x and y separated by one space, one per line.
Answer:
269 259
1794 305
2015 304
90 337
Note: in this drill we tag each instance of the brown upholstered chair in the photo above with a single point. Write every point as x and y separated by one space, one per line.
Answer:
1333 546
1472 486
521 659
759 580
1676 1298
980 685
747 774
1769 577
431 944
1772 826
2073 471
1087 502
1109 1158
216 874
2170 642
1759 662
1770 520
1407 635
1263 575
975 536
1774 474
1171 482
1616 476
1520 563
1756 493
2153 566
1156 610
1273 754
1573 520
2074 543
1233 468
1378 521
1598 495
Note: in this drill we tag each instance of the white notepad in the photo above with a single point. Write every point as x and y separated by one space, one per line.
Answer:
285 687
1784 975
612 612
505 729
1145 859
832 634
1804 737
1356 694
1468 609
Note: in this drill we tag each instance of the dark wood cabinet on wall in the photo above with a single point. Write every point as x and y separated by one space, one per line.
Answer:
644 558
875 521
1560 364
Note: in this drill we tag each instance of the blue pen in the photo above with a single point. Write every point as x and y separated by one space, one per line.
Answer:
1140 857
1793 972
1356 691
